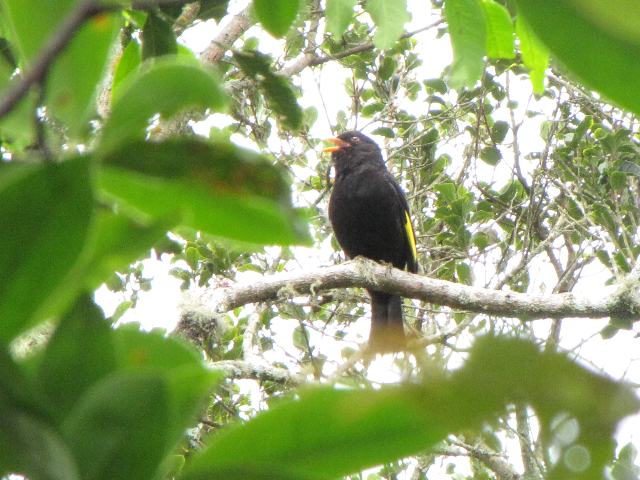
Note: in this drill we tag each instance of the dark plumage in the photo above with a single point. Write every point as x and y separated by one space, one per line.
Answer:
370 217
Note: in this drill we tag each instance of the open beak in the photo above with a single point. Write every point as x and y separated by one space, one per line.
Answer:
338 144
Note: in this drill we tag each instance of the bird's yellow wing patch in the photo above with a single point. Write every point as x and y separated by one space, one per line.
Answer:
410 235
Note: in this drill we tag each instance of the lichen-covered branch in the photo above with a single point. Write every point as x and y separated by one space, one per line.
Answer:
239 369
622 300
236 26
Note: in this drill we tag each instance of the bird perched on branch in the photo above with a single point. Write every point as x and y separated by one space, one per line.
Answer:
370 217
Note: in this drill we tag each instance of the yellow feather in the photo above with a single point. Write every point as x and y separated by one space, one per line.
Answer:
410 235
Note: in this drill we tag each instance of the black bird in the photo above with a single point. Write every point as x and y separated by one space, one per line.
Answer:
370 217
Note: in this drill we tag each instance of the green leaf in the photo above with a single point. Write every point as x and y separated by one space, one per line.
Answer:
463 273
338 15
129 61
78 355
73 77
534 54
436 84
446 192
118 241
499 131
215 9
618 181
384 132
499 30
119 428
28 31
468 39
625 467
167 86
188 380
48 210
387 67
17 128
157 37
389 18
136 350
597 40
74 81
18 389
481 240
372 108
276 16
216 187
29 446
277 89
328 433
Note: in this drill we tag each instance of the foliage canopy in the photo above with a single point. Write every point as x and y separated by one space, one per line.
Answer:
520 177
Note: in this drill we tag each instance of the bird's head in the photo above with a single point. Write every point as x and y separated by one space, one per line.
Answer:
353 148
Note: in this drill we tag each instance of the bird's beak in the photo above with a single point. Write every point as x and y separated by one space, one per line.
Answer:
338 144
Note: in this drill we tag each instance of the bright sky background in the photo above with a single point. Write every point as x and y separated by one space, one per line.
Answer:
160 307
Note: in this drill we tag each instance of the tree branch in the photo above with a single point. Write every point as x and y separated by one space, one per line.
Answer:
238 369
622 300
239 24
494 462
308 59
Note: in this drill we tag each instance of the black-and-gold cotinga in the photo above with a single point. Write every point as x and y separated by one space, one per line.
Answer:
370 217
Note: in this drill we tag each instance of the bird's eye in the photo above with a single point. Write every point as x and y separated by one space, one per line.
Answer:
355 140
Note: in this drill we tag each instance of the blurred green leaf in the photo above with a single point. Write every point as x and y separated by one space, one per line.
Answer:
78 355
499 30
29 446
625 467
167 86
28 31
188 380
18 389
339 14
327 433
157 37
534 54
215 187
119 428
277 89
468 39
389 18
16 128
276 16
73 78
136 350
118 241
129 61
597 40
48 210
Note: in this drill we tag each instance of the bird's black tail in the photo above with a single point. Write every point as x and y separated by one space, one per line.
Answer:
387 328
